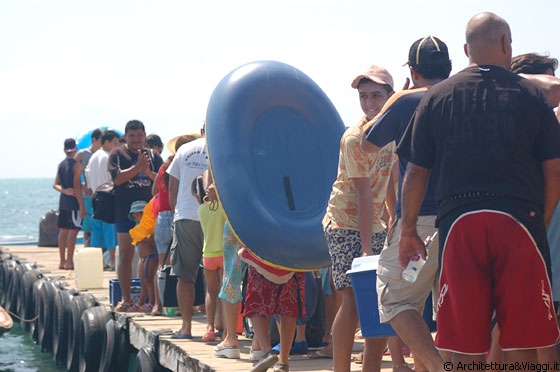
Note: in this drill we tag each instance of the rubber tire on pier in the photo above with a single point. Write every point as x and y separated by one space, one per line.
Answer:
92 335
3 257
146 360
36 294
5 277
115 356
46 314
28 304
62 312
20 272
109 351
9 290
78 305
120 359
123 342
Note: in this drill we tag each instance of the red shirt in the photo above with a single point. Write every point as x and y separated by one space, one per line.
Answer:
163 192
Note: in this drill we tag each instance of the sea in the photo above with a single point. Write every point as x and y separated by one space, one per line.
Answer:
24 202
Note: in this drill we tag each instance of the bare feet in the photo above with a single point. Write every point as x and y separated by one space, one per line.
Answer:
325 352
402 368
156 311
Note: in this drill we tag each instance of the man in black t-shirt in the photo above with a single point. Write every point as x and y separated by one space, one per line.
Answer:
490 138
133 169
401 303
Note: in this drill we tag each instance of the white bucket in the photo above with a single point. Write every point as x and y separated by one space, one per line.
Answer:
88 268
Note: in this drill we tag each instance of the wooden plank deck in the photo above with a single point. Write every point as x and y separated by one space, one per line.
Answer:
176 355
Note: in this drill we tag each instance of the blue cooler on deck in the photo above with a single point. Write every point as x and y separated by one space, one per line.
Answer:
115 294
364 283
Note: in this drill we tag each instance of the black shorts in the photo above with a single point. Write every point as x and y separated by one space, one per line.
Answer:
69 219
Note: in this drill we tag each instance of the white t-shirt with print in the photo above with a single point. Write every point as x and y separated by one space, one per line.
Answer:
189 162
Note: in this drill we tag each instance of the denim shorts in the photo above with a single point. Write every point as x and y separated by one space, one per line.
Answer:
234 268
163 235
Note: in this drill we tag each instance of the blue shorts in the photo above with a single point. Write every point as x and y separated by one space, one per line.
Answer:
124 226
163 235
86 222
103 234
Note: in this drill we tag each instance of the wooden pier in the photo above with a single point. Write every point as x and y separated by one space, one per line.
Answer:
175 355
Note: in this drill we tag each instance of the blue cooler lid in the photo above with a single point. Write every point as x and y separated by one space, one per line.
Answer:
366 263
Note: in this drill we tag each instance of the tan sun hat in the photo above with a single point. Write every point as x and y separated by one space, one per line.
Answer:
176 142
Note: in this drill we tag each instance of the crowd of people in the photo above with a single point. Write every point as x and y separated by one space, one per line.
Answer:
474 156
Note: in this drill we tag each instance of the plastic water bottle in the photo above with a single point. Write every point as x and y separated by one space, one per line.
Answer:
417 262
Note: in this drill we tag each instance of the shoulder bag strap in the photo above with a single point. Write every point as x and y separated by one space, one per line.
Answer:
166 255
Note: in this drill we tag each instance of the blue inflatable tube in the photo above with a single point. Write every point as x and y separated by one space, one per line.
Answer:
84 140
273 142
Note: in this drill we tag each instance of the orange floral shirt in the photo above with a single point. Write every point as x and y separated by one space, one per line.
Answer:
353 162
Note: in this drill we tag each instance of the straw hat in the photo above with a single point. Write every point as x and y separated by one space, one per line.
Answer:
176 142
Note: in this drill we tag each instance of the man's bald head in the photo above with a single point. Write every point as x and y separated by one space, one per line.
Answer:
488 40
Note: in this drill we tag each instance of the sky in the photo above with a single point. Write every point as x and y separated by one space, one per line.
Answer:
67 67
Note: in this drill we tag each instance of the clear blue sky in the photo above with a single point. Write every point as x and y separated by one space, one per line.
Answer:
69 66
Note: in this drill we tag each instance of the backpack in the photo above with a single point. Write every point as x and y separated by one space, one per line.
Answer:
103 202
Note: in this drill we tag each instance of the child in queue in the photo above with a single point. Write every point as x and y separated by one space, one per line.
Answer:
142 238
212 220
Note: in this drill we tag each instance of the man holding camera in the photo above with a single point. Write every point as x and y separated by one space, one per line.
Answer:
133 169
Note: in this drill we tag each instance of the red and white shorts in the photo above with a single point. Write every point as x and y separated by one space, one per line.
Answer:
265 298
490 262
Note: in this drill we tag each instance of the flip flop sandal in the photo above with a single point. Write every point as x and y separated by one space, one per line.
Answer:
359 359
209 337
181 336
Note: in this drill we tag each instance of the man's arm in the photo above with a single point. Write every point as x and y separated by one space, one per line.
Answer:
551 173
125 175
414 187
78 189
56 185
155 188
549 84
154 159
391 198
365 213
173 191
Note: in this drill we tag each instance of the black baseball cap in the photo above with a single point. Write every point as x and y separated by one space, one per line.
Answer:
69 145
428 51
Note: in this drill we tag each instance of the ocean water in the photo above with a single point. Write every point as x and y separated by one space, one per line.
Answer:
23 202
18 353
